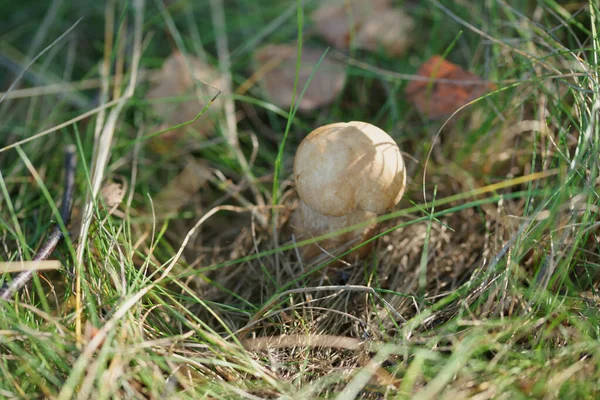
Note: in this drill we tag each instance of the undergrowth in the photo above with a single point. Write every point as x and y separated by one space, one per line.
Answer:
482 283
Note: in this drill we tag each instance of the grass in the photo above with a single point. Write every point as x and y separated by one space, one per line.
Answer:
482 283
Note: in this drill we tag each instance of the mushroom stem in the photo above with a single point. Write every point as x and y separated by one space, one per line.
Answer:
308 223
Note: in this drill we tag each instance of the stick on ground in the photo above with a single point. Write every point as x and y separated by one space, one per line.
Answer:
56 235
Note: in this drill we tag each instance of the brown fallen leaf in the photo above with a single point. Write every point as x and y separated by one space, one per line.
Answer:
389 29
112 193
182 188
338 20
278 63
364 24
183 87
439 99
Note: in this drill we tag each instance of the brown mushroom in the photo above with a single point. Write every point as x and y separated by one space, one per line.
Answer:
345 173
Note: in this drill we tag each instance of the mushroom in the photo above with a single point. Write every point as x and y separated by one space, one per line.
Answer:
345 173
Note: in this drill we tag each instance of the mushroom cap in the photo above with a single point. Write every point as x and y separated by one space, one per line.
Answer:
343 167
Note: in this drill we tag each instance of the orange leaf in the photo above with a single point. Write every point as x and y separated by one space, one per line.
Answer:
438 98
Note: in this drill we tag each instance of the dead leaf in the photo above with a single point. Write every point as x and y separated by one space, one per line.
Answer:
364 24
112 193
338 20
439 99
182 188
390 29
278 63
183 87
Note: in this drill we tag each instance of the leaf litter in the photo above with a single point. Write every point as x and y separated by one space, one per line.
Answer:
184 86
450 88
278 66
363 24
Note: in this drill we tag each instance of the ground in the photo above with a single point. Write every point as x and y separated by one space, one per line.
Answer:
179 275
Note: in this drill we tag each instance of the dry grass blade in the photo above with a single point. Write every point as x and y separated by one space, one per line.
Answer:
62 125
231 134
102 153
372 367
268 306
21 266
282 342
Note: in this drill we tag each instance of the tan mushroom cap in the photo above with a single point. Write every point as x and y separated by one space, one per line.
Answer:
344 167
